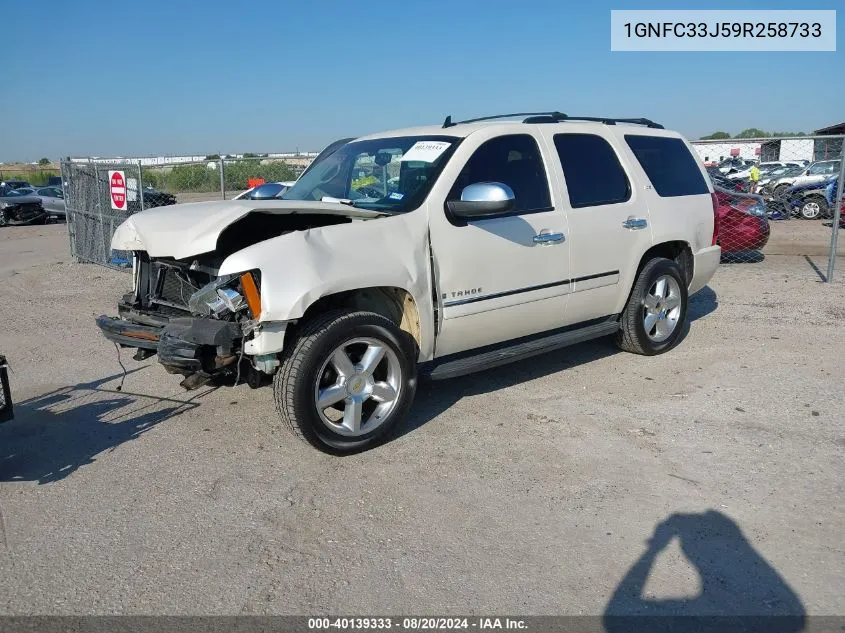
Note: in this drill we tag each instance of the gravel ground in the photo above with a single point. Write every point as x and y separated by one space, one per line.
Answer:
534 488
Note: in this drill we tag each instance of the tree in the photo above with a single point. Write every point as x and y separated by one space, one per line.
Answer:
716 135
249 155
44 161
213 157
752 132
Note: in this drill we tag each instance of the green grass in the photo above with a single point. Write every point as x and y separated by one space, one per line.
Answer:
199 178
37 177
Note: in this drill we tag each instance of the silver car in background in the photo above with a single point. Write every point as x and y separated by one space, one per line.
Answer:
52 199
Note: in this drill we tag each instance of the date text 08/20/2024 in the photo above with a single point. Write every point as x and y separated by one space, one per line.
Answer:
416 623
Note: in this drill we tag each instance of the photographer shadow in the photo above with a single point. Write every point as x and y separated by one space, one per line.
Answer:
740 590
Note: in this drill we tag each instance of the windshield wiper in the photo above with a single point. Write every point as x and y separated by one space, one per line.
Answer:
345 201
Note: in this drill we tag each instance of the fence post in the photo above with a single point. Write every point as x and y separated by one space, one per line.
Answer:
837 214
140 187
100 211
64 170
222 179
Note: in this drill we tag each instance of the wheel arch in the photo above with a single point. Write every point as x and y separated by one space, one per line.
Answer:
394 303
678 251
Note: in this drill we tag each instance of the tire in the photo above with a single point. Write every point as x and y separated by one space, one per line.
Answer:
665 317
813 208
4 217
310 367
779 191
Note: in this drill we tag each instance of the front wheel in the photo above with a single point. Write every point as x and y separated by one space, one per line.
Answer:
813 208
780 190
347 381
4 218
654 315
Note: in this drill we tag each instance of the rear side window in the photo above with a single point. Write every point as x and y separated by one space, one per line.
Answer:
668 164
592 171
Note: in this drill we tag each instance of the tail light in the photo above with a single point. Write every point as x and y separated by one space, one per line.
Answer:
715 200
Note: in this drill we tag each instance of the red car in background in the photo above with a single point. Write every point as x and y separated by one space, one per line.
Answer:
743 221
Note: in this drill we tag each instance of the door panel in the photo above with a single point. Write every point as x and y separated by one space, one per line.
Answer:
495 281
608 220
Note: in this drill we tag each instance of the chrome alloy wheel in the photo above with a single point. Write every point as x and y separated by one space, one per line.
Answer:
662 308
811 210
358 386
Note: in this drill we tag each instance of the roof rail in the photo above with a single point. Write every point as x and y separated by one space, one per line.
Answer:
551 118
449 123
554 117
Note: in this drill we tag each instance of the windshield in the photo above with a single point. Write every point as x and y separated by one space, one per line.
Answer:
788 171
385 174
822 168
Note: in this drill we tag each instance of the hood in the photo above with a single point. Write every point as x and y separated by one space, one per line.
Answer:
20 199
185 230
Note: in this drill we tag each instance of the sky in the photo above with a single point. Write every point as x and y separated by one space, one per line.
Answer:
107 78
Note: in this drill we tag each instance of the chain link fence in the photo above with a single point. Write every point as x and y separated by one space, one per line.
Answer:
93 216
777 196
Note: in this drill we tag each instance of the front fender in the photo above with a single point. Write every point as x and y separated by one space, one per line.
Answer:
299 268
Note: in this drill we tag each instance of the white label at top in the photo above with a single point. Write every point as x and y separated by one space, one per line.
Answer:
426 151
723 30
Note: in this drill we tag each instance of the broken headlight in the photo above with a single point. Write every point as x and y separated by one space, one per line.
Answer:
218 298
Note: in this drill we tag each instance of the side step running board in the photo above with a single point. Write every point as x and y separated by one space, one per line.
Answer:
521 348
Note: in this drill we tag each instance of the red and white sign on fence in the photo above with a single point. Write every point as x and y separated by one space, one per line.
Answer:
117 190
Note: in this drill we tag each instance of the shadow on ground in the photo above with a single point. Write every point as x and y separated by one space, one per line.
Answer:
435 397
55 434
740 590
743 257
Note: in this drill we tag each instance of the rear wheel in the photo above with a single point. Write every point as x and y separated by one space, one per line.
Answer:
653 318
813 208
349 379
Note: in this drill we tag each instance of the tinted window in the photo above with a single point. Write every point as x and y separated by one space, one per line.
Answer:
668 164
513 160
592 170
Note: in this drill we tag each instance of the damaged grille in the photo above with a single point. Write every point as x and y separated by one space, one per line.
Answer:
166 286
176 287
26 210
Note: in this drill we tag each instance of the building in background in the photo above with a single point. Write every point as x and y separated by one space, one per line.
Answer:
829 148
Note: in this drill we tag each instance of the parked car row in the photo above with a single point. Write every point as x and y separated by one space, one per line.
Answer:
789 188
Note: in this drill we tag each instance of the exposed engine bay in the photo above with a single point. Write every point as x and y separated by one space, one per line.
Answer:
196 321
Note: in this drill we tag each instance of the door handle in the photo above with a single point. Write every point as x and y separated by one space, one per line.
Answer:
548 238
635 223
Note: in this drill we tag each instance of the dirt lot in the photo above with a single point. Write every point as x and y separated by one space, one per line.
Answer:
533 488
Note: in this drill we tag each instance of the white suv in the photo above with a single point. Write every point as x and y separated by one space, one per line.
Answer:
436 251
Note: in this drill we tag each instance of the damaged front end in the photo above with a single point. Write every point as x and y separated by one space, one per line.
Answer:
194 320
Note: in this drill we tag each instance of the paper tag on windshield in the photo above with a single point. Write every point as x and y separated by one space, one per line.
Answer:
426 151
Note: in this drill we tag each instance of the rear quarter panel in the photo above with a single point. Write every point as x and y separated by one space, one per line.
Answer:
686 219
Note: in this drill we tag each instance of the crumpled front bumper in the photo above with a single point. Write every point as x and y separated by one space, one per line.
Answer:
128 333
184 345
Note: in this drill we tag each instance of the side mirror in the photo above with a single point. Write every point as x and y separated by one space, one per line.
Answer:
482 200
